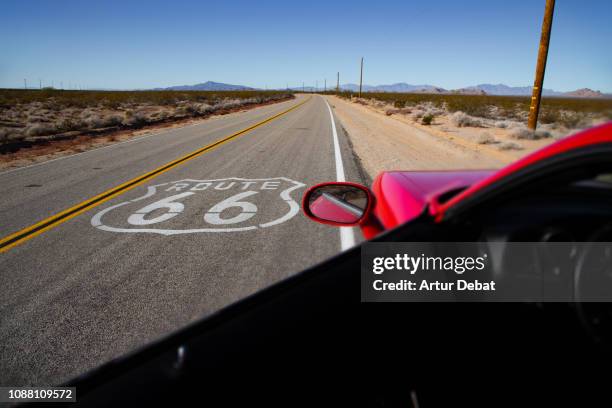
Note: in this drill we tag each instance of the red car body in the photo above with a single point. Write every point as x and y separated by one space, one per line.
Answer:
403 195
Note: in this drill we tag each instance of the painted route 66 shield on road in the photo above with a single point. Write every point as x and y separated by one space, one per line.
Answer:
196 206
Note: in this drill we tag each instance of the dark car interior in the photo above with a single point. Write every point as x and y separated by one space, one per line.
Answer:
309 340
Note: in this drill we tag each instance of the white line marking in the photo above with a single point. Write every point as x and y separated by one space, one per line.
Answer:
347 237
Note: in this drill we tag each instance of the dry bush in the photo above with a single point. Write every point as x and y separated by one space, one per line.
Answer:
417 114
70 124
542 134
135 119
427 119
390 112
87 114
528 134
510 146
229 104
549 116
4 133
204 108
163 114
461 119
575 120
104 121
40 129
485 138
522 133
502 124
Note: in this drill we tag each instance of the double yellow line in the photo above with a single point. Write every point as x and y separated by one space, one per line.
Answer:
30 232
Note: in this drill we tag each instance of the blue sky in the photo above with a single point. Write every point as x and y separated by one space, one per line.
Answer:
143 44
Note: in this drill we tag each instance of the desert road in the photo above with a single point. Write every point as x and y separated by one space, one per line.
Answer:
109 249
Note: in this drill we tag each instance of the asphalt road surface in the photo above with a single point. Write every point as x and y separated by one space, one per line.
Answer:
130 263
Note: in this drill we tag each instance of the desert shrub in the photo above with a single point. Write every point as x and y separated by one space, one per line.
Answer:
390 112
542 134
510 146
204 108
522 133
549 116
190 109
502 124
70 124
399 104
427 119
87 114
37 119
4 135
163 115
40 129
572 120
96 122
462 119
229 104
417 114
485 138
134 119
528 134
11 135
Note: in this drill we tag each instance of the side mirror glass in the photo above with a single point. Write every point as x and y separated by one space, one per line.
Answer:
337 203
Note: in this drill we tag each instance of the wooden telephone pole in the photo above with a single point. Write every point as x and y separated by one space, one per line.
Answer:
338 83
361 77
534 110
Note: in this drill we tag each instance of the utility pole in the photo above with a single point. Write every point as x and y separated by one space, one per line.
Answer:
317 86
25 84
361 77
303 88
534 110
40 83
325 87
338 83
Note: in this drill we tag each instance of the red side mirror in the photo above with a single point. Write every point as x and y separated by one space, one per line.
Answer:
341 204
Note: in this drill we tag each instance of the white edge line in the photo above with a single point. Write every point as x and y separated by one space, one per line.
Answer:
347 236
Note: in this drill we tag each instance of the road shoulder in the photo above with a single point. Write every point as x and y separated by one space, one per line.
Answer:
383 143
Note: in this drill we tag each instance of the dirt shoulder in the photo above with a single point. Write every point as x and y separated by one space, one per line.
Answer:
384 143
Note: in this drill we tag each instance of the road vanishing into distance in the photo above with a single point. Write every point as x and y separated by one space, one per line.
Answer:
107 250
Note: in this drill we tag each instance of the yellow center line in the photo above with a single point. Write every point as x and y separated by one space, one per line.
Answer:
27 233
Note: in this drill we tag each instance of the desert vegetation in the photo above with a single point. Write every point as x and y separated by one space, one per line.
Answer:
558 116
497 122
38 116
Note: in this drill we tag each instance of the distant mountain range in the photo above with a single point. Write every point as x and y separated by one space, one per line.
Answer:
482 89
207 86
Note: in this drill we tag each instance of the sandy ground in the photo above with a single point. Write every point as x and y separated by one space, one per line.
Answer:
388 143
